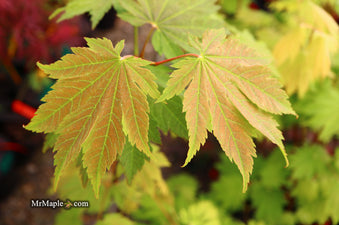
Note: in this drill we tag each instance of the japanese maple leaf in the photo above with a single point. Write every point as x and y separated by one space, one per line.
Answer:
173 20
229 92
98 98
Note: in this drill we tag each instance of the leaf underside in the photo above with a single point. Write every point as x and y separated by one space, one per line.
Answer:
229 91
98 99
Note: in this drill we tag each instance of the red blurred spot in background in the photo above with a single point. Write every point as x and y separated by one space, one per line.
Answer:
23 109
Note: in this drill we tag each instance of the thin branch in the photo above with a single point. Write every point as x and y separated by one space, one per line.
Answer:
136 41
174 58
142 53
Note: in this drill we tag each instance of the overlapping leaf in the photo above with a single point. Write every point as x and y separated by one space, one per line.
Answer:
173 20
304 53
96 8
99 97
132 160
169 117
228 87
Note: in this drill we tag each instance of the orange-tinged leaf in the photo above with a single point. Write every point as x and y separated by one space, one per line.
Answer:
99 98
229 90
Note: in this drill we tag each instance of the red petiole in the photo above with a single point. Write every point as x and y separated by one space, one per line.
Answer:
174 58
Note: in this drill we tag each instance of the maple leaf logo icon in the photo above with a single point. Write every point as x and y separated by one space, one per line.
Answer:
68 204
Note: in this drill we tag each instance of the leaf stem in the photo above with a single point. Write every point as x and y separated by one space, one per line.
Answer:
142 53
174 58
136 41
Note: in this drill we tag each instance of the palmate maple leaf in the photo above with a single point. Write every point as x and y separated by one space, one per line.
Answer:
173 20
229 92
98 98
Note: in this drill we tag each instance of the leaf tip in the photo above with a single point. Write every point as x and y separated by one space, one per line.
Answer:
287 161
245 181
188 158
296 115
41 66
283 151
244 187
96 192
185 164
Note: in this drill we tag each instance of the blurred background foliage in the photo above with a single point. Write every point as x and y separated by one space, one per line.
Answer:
300 38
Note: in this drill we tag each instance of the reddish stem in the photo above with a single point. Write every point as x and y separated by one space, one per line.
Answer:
174 58
146 41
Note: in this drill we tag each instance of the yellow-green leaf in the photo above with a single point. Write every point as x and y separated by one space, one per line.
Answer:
229 90
173 20
303 55
96 9
97 97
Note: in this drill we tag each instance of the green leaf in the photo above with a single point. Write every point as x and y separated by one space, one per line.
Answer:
312 212
272 174
125 197
319 110
184 187
228 89
153 132
149 211
49 142
229 220
332 203
169 116
173 20
201 213
317 197
115 219
309 161
336 159
65 216
96 8
306 190
253 222
98 99
82 170
132 160
164 45
269 203
230 200
162 73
